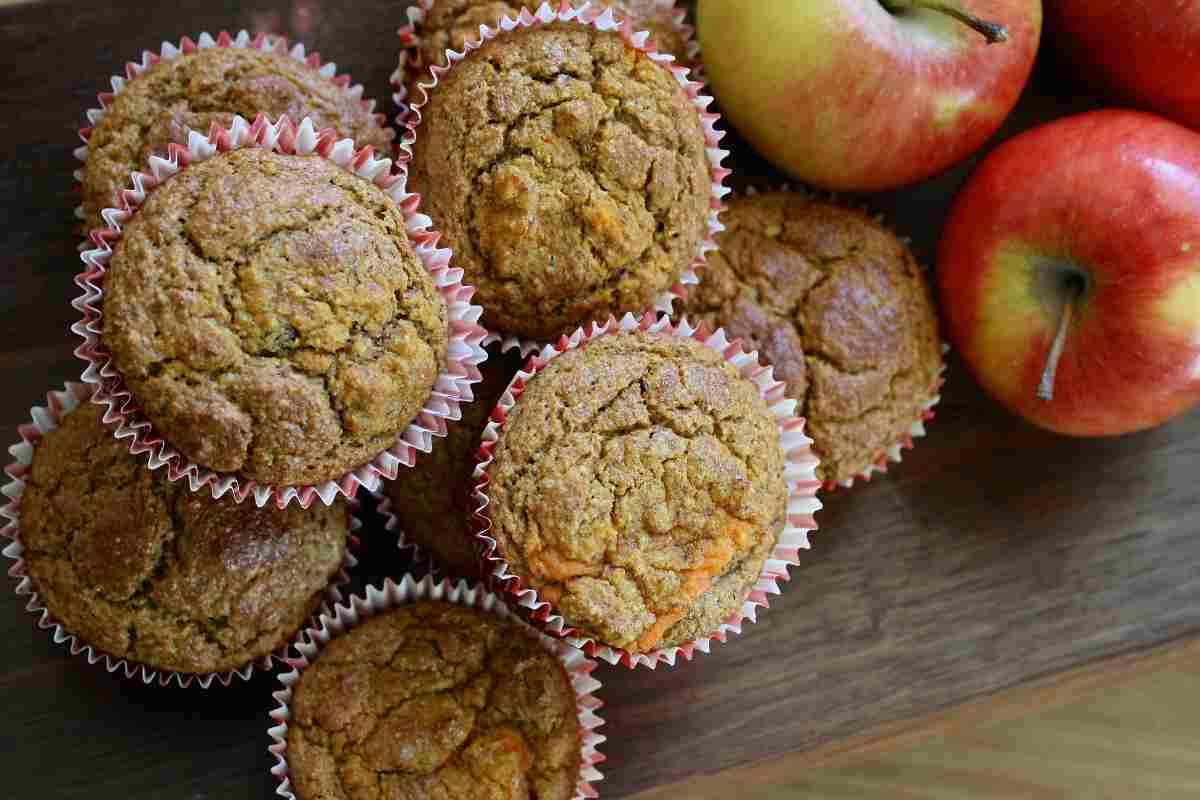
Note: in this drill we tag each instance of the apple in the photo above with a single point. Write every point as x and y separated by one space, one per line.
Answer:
1069 273
867 95
1148 51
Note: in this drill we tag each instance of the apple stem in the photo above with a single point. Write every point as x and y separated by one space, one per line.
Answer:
993 32
1046 386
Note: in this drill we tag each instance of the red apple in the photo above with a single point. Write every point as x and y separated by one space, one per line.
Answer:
1147 51
866 95
1085 230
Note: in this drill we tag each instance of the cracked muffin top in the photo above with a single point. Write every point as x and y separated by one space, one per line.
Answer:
434 701
271 317
568 172
144 569
638 485
839 307
432 501
450 24
210 85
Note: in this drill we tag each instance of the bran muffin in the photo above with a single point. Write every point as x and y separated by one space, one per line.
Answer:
841 309
432 501
568 171
194 90
434 701
141 568
271 317
450 24
638 485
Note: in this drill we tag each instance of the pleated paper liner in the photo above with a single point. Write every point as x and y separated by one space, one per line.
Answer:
264 42
392 595
422 557
44 419
419 557
411 63
799 471
465 347
601 18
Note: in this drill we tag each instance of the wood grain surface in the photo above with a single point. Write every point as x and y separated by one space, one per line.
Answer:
996 555
1133 743
1119 727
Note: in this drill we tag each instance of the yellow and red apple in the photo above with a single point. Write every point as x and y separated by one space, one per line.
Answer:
1085 231
866 95
1148 51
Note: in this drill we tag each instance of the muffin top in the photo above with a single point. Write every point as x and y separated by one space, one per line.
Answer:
434 700
638 485
141 568
196 89
271 317
450 24
432 501
842 310
568 172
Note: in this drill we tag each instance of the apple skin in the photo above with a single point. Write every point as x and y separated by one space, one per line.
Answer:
1148 52
1113 196
844 95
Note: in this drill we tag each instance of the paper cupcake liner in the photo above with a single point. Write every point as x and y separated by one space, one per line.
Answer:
895 453
465 350
688 31
265 42
799 471
411 64
602 19
422 556
393 595
47 418
391 525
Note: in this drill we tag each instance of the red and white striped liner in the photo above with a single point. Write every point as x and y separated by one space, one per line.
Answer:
465 349
411 64
392 595
799 471
45 419
267 43
601 18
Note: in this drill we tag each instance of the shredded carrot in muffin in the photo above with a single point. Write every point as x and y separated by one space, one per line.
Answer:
550 564
654 634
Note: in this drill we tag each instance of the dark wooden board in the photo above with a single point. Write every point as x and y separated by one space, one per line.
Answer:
996 555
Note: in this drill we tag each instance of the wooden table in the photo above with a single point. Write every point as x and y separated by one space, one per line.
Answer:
998 568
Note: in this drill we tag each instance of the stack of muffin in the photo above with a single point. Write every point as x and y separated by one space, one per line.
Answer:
273 319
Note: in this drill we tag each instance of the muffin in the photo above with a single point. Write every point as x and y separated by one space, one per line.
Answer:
434 700
271 317
142 569
432 501
638 486
568 171
193 90
842 310
450 24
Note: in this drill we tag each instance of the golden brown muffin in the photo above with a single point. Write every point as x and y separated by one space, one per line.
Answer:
434 701
210 85
141 568
432 501
568 173
450 24
638 485
841 309
272 318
